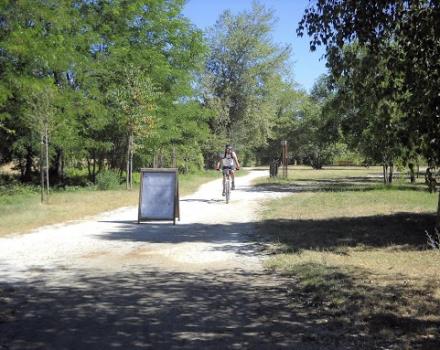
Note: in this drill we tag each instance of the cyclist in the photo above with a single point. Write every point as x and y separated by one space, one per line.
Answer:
229 161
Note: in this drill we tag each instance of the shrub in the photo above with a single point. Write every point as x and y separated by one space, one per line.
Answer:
107 180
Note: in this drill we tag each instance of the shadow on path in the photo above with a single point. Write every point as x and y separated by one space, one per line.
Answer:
151 309
144 309
400 229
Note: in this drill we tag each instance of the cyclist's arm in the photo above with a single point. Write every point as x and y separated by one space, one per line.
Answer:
234 155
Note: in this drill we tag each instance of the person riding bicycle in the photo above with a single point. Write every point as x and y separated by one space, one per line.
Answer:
229 161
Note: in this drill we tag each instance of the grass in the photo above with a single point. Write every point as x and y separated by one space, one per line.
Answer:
333 179
21 210
357 255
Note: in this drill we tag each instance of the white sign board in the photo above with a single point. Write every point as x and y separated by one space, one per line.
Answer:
158 195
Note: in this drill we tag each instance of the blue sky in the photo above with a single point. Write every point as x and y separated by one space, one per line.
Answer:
307 66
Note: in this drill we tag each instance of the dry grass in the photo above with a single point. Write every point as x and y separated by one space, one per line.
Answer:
22 212
358 256
25 212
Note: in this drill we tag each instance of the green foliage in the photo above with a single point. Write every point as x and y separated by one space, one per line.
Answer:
394 66
111 69
345 156
107 180
242 76
308 123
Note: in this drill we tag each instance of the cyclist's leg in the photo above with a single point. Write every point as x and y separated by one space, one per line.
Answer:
224 183
232 179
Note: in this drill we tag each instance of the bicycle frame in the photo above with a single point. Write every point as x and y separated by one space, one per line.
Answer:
227 184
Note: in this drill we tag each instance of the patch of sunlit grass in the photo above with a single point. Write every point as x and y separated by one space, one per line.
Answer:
357 254
22 212
321 205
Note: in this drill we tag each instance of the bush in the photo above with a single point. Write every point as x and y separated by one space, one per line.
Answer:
107 180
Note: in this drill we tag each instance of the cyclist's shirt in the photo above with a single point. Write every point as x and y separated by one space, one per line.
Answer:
228 162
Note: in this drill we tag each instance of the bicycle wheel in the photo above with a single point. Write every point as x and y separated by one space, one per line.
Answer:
227 190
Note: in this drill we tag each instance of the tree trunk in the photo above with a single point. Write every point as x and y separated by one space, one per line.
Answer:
89 170
47 162
57 170
155 160
161 159
385 173
437 221
27 175
100 162
412 174
128 165
390 175
21 166
131 168
129 162
42 167
94 167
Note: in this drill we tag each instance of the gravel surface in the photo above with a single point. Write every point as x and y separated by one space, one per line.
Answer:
110 283
211 235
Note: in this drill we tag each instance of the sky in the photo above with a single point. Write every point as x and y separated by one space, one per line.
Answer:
307 65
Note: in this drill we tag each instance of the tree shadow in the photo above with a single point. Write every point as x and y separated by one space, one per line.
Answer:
142 308
401 230
341 184
346 301
155 232
202 200
404 231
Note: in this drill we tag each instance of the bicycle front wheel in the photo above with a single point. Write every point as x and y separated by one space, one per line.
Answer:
227 191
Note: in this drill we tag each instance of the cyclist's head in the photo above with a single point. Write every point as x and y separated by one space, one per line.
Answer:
228 148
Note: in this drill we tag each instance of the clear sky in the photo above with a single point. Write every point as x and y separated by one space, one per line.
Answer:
307 65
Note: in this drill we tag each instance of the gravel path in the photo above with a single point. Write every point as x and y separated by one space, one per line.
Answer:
110 283
210 236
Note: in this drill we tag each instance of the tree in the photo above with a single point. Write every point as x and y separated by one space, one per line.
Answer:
40 116
136 105
159 43
35 45
242 76
83 51
403 33
367 103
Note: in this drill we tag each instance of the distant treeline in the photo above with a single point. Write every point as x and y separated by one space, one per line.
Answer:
119 85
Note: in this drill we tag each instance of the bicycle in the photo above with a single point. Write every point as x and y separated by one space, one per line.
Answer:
227 184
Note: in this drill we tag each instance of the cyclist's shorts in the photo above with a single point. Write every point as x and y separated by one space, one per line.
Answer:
228 167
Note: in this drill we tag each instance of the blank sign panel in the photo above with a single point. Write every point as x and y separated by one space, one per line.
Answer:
159 198
158 194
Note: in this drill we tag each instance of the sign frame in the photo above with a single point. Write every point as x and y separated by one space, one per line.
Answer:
176 206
